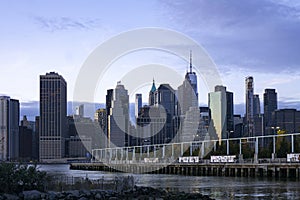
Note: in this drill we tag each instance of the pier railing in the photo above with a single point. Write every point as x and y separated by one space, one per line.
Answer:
269 148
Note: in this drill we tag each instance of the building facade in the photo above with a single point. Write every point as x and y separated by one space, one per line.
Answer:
118 117
249 86
9 131
138 104
270 105
53 116
188 91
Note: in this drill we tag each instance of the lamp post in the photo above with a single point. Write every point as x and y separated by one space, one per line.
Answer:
274 140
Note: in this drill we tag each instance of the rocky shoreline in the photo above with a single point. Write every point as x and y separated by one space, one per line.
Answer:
137 193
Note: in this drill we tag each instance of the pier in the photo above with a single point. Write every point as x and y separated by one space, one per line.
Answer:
277 170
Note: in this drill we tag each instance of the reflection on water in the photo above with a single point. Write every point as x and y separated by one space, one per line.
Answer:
215 187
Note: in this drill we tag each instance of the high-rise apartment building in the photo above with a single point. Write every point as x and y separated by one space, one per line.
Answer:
9 131
249 85
53 116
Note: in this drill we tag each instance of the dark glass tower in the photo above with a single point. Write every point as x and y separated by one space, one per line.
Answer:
270 105
53 116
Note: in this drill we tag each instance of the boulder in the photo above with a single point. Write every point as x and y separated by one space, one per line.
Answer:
32 194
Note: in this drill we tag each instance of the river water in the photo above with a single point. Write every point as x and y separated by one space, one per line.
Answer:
215 187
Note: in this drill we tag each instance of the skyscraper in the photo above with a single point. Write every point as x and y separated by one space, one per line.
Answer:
256 105
165 97
270 105
118 118
53 116
221 111
188 92
249 105
151 94
138 104
101 118
9 131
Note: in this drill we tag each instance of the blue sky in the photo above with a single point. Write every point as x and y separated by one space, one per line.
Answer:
258 37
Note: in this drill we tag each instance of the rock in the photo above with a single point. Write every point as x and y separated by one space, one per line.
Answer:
32 194
85 193
83 198
10 197
98 196
52 195
113 198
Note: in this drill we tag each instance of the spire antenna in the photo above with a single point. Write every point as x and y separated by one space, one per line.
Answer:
191 61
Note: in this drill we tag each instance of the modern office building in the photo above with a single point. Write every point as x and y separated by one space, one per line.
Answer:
79 146
229 113
217 106
9 131
138 104
287 120
53 116
270 105
151 125
165 98
249 86
79 110
221 111
188 91
118 118
27 139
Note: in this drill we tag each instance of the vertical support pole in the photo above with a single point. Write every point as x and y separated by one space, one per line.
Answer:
191 149
141 149
292 140
133 153
240 147
181 149
110 154
256 145
126 153
274 145
202 150
92 155
256 150
172 151
227 144
163 152
215 145
154 151
148 151
122 154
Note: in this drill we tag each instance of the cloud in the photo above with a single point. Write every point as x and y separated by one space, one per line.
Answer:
256 34
65 23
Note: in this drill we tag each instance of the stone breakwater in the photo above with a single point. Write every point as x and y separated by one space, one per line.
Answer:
137 193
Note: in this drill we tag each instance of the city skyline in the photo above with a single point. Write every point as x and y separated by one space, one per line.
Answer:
62 39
